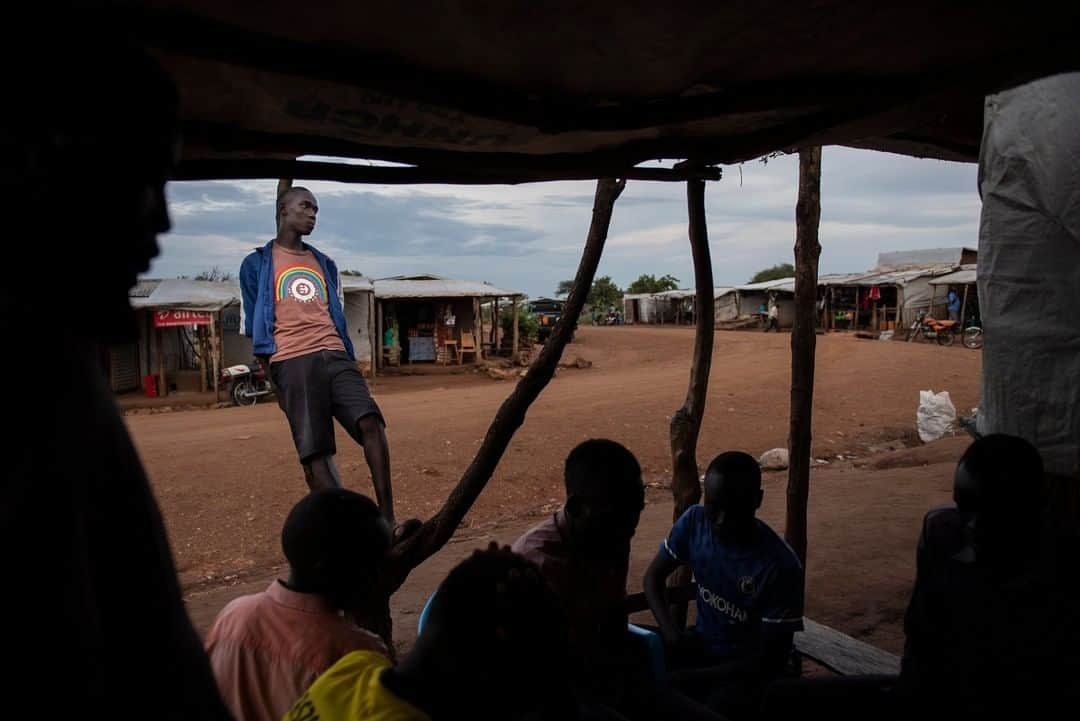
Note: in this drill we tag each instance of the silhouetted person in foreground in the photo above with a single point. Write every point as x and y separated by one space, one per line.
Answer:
583 551
493 647
992 625
267 648
93 606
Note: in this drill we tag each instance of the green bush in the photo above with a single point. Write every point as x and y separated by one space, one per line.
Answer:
528 325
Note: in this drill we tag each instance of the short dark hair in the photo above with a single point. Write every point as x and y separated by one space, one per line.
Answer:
742 480
333 539
292 191
495 606
603 467
1008 472
736 465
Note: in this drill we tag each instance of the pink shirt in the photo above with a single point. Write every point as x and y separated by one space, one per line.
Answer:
266 649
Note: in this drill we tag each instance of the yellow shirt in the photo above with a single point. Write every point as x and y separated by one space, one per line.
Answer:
352 690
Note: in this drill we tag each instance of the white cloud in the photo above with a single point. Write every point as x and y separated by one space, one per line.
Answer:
530 236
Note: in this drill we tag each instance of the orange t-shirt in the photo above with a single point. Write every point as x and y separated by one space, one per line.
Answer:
302 322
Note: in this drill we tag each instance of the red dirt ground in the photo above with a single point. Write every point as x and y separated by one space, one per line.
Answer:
226 478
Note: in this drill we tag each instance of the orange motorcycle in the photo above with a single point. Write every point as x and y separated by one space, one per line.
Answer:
930 328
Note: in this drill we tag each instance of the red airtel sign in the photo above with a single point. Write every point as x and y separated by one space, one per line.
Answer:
171 318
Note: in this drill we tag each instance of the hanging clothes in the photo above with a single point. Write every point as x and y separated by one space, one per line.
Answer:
875 293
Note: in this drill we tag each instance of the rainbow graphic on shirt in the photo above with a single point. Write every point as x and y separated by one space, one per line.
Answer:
301 284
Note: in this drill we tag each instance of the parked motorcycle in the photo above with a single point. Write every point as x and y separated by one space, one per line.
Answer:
930 328
246 383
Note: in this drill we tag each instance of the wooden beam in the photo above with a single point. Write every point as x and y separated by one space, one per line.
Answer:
843 654
803 343
963 306
463 174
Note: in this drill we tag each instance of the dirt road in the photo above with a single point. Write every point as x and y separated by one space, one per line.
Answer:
226 478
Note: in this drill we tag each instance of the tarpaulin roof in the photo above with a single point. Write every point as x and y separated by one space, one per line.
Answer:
510 92
433 286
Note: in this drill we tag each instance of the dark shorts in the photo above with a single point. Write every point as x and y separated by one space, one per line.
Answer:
314 389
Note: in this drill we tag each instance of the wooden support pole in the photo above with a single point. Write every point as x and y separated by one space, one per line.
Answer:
686 422
514 355
283 184
495 327
215 352
477 331
803 342
963 305
163 382
379 332
372 338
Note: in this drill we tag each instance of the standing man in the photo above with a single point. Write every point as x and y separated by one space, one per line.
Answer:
293 308
954 305
774 315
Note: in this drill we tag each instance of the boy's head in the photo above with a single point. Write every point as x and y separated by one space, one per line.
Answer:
604 498
495 626
335 540
1000 480
732 490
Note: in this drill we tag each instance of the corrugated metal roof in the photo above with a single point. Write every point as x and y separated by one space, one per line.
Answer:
921 257
965 275
888 277
676 294
189 294
359 283
144 287
683 293
783 285
431 286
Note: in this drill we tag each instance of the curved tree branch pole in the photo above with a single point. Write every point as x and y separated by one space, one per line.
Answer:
686 423
803 344
434 534
283 184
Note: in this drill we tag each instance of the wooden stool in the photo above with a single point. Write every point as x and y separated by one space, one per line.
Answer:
449 345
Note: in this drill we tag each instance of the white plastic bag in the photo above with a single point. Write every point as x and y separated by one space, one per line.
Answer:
936 416
775 459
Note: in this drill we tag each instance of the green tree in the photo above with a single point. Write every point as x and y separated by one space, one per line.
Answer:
652 284
565 286
528 325
784 270
351 272
604 294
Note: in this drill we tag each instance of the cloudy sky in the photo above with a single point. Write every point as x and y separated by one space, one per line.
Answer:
530 237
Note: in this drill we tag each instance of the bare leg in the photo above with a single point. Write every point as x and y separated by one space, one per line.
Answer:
321 473
377 455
